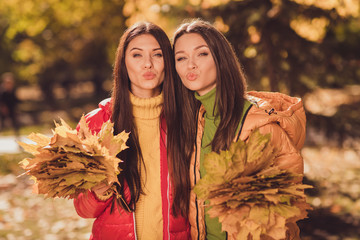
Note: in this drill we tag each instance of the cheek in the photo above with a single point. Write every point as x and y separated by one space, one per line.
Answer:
160 67
129 66
179 69
212 70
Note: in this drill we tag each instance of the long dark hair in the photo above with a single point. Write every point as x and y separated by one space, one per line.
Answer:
122 115
230 83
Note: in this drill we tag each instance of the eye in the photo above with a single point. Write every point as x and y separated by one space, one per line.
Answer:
135 55
159 54
179 59
203 54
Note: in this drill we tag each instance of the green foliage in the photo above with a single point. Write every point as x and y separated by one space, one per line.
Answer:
291 46
288 45
9 163
58 42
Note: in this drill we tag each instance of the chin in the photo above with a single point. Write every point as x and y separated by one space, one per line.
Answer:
195 89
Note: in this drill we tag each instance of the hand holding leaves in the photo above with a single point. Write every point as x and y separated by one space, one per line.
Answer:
71 162
249 194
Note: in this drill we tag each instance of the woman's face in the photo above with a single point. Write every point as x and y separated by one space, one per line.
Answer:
145 66
195 63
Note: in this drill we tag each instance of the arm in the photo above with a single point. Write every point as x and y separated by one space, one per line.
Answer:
287 157
88 205
92 203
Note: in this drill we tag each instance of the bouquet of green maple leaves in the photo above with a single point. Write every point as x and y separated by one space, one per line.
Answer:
71 162
249 194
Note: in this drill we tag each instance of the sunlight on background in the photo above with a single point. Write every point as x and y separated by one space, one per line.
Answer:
327 101
305 47
310 29
343 7
147 11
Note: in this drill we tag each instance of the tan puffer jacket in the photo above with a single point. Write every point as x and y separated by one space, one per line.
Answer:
276 113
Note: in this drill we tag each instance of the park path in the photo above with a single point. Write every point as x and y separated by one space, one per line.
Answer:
8 144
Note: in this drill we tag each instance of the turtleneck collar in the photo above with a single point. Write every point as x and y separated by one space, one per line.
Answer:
208 101
147 108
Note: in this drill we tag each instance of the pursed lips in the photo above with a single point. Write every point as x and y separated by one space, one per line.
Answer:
149 75
191 76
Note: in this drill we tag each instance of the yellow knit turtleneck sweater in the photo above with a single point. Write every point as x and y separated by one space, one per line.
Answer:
148 214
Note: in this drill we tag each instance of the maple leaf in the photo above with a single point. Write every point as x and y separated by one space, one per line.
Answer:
72 162
38 138
249 194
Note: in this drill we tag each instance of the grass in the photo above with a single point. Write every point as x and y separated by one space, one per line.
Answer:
44 128
9 163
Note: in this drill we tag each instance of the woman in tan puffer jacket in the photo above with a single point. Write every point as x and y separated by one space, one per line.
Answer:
216 110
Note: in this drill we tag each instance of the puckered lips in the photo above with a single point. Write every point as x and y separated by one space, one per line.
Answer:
191 76
149 75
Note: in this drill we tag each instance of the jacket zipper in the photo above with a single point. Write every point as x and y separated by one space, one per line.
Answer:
168 199
134 225
196 147
196 202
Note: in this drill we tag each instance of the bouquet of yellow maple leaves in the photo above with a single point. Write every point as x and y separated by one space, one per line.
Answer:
249 194
71 162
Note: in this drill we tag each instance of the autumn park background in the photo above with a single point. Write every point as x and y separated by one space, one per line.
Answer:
61 53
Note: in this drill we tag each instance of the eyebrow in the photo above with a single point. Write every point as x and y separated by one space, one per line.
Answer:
140 49
196 48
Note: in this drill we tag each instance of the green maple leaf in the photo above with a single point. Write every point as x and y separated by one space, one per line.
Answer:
285 211
216 164
238 157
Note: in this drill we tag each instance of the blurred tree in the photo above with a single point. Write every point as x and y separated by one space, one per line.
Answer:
291 46
60 41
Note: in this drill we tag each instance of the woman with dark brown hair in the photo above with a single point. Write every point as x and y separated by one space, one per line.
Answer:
216 110
144 63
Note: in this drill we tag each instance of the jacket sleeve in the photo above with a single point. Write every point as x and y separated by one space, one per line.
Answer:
95 119
87 205
288 157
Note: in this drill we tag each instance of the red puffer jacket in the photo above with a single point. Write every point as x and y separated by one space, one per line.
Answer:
120 224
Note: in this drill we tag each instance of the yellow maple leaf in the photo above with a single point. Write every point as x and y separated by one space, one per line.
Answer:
71 162
249 194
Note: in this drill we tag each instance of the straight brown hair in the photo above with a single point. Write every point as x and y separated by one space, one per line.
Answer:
230 85
123 120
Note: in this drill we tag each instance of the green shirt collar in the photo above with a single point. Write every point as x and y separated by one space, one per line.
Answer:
208 101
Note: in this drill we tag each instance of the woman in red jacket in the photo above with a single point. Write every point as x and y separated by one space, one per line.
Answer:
154 206
217 110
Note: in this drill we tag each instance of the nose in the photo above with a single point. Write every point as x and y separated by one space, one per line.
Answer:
148 62
192 64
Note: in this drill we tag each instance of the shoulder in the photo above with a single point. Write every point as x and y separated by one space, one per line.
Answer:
287 146
287 154
276 113
98 116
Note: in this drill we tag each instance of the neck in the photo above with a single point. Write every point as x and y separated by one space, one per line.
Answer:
147 108
208 101
146 93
